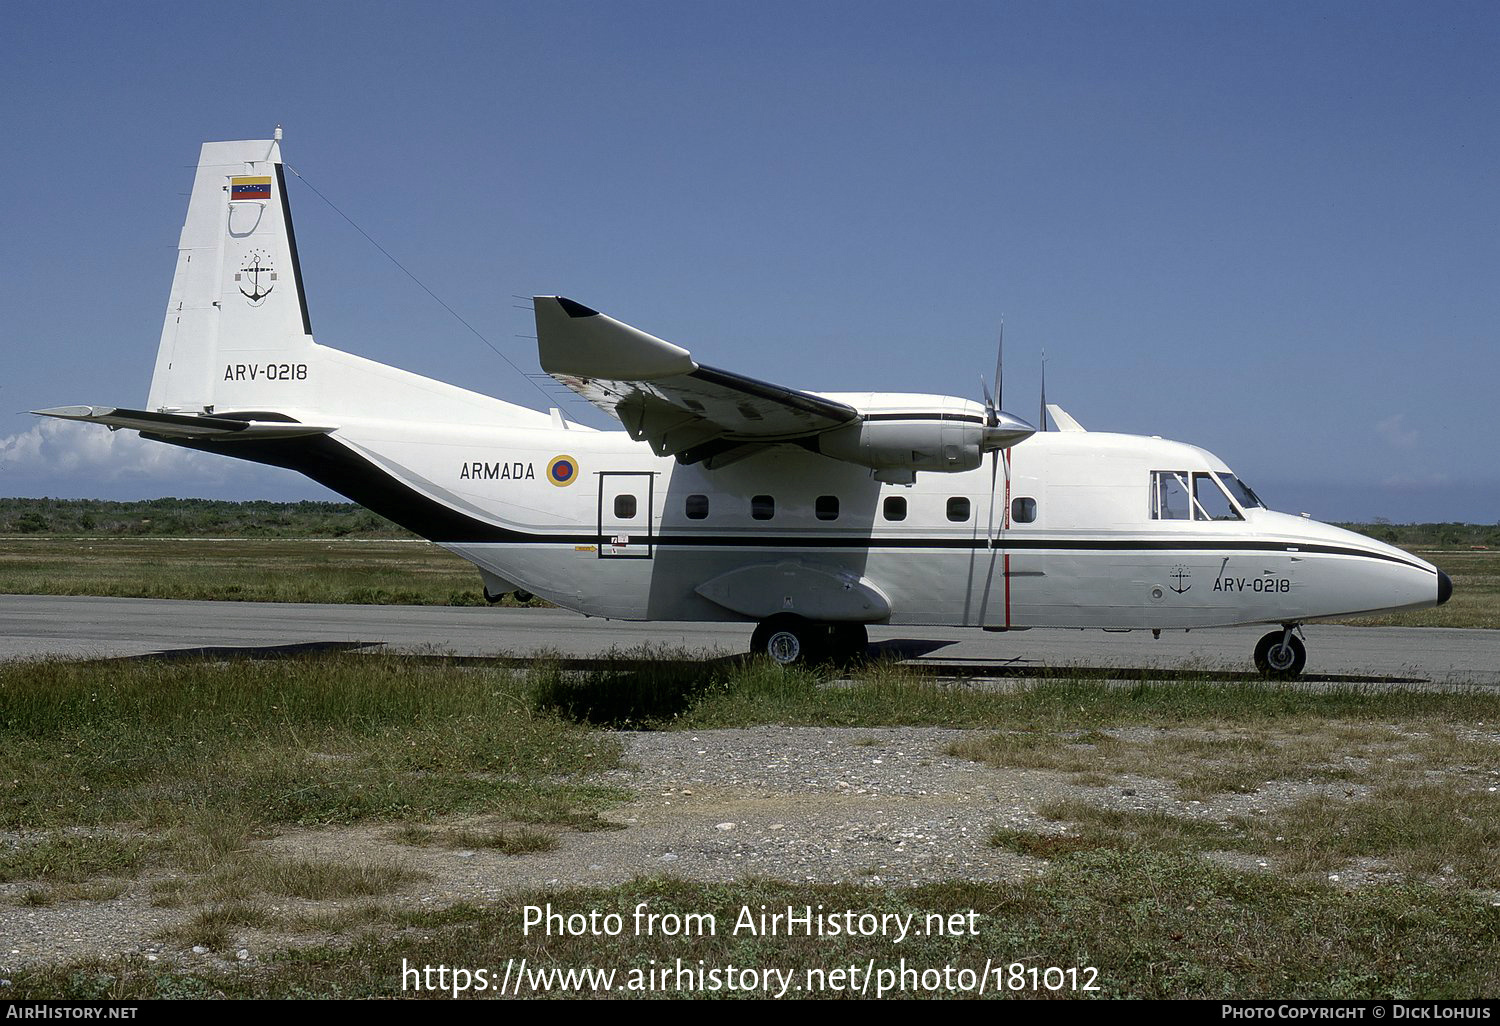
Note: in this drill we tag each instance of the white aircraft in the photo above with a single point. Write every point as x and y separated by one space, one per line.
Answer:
726 498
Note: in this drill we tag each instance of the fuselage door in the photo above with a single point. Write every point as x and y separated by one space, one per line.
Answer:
625 515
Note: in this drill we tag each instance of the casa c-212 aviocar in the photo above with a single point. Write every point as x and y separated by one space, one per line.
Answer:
810 514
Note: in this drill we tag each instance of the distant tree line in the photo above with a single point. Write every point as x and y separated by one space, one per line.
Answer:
213 518
1450 535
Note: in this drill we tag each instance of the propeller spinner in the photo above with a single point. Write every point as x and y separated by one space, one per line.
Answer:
1001 430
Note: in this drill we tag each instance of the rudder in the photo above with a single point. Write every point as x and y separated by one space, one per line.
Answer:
237 318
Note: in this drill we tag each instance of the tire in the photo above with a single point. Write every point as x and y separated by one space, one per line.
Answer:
1280 660
848 642
787 641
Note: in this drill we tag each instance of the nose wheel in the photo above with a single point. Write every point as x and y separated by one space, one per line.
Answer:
1281 655
786 641
793 641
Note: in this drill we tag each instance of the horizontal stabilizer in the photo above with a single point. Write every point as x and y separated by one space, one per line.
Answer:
179 425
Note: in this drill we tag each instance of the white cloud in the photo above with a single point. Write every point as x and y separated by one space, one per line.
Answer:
1416 482
1394 430
66 450
62 458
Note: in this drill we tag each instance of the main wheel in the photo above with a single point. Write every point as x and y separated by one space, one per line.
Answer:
848 642
1280 656
787 640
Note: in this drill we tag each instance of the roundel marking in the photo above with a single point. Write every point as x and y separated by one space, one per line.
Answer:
562 471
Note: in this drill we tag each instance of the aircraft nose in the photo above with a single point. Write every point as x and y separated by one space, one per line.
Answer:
1445 587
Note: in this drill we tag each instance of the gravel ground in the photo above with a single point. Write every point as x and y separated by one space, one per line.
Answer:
877 806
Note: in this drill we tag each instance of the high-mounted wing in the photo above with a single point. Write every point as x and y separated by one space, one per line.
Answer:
701 414
665 397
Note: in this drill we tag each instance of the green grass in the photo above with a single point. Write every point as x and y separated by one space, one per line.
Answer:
752 692
240 569
1419 832
185 768
189 765
515 841
329 739
1155 925
63 858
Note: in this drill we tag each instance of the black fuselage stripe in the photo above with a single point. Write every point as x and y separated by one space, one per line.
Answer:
339 468
966 418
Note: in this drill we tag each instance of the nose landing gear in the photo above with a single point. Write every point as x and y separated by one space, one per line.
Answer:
1281 655
793 641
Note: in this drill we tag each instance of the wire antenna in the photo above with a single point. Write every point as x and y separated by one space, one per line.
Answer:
420 283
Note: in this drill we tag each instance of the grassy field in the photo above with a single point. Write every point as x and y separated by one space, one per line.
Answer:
167 779
240 569
387 570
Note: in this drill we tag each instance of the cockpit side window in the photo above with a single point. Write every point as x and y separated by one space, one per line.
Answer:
1210 502
1171 496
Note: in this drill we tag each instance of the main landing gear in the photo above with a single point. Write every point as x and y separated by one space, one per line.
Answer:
1281 655
793 641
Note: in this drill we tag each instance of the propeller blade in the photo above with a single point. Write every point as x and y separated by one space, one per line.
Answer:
994 481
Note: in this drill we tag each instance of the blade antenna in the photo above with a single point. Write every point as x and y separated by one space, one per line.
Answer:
1042 423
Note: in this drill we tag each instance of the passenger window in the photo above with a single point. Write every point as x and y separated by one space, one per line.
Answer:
958 509
895 507
827 507
1171 498
697 507
1023 511
624 506
1210 501
762 507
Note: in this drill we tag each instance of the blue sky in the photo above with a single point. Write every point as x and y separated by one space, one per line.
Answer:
1269 229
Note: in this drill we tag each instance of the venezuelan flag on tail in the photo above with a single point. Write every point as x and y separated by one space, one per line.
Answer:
257 188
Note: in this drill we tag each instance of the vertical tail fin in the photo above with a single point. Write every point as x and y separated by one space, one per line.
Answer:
237 317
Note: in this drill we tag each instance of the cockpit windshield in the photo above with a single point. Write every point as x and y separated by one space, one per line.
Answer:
1189 495
1241 492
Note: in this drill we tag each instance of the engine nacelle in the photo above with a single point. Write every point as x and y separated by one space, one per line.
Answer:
945 446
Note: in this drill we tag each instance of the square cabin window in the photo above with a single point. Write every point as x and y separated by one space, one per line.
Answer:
827 507
762 507
1023 511
624 506
894 507
958 509
697 507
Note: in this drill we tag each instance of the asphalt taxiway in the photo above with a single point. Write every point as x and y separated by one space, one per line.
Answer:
34 626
